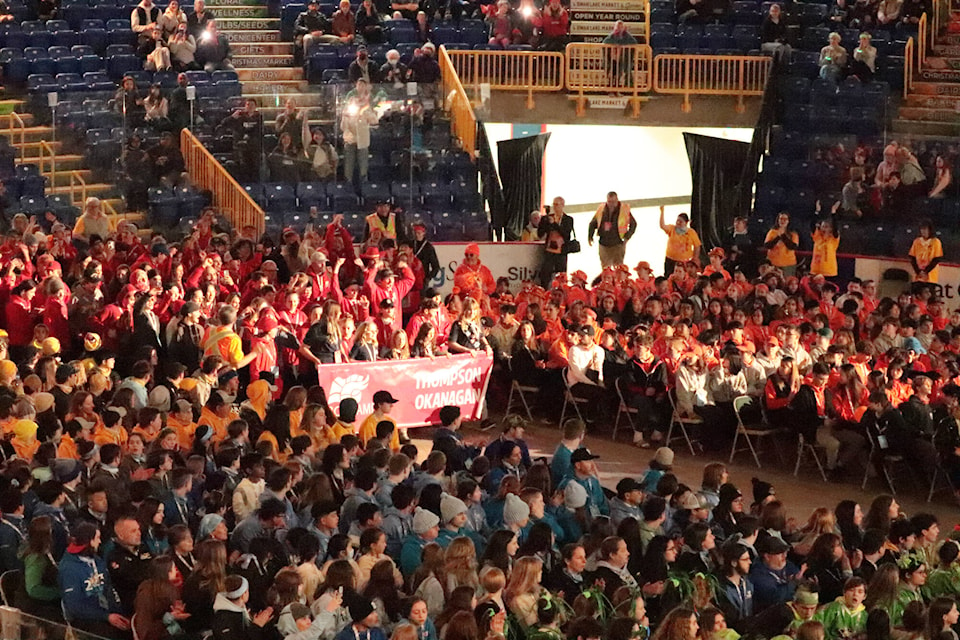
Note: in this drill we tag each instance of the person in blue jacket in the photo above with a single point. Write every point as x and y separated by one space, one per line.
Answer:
774 578
89 601
583 474
426 528
417 616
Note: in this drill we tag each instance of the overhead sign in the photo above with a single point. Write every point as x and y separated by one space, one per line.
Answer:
593 20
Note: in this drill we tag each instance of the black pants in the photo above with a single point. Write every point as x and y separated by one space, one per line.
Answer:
552 263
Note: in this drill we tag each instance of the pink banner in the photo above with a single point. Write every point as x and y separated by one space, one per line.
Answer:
421 385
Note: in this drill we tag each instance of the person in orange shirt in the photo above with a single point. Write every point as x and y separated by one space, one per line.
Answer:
180 419
149 423
383 402
781 244
223 341
24 440
554 328
111 431
473 278
683 243
716 257
217 415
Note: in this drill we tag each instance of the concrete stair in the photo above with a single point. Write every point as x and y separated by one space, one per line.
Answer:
933 105
264 62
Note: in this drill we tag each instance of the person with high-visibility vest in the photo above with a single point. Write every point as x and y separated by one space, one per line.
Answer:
614 225
385 221
223 341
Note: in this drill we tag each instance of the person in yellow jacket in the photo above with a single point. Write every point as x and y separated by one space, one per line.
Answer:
781 244
825 243
383 403
383 220
343 426
925 254
614 225
683 243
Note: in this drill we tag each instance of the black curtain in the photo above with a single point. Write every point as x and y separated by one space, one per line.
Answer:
720 190
521 172
489 181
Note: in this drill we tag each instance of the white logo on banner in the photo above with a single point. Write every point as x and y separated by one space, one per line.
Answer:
349 387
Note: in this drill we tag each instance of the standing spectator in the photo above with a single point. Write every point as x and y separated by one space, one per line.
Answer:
620 56
614 225
782 244
556 24
197 21
425 71
825 243
556 229
393 71
926 253
213 51
172 17
683 243
144 17
363 67
358 117
89 600
247 127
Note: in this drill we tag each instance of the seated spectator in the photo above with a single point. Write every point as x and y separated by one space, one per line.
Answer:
862 15
393 71
839 14
833 59
138 174
864 63
143 18
363 68
166 159
157 108
888 13
343 23
422 25
369 23
503 31
213 50
183 49
172 17
773 34
284 161
942 177
528 23
911 10
154 50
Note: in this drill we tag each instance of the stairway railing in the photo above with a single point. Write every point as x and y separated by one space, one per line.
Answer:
908 67
206 173
16 122
922 38
463 121
45 149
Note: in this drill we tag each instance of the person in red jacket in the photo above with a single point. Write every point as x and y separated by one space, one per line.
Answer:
381 283
20 317
55 314
555 23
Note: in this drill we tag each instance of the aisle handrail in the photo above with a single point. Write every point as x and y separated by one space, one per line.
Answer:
207 173
463 121
907 67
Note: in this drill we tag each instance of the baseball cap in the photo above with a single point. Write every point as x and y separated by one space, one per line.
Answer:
772 545
627 485
582 455
384 396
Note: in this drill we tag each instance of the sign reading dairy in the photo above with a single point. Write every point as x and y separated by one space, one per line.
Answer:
593 20
421 385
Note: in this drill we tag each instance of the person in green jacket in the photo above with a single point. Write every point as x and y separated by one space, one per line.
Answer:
40 572
945 579
846 616
426 528
913 575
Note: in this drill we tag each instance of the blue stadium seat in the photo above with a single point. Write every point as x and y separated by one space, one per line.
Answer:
476 226
442 34
405 193
689 36
166 79
769 201
33 205
96 38
374 192
99 81
447 227
436 196
745 37
163 206
41 83
256 192
312 194
746 13
70 82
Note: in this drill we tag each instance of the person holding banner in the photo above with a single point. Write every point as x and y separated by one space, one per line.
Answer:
466 334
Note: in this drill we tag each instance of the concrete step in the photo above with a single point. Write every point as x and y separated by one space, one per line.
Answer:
248 24
239 11
262 61
220 4
279 99
239 36
929 115
925 127
31 150
947 50
270 74
62 177
261 49
936 88
256 88
940 63
932 102
939 75
66 162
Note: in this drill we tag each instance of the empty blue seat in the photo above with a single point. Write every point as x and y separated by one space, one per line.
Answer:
41 83
33 204
96 38
374 192
442 34
91 24
447 227
70 82
99 81
119 66
311 194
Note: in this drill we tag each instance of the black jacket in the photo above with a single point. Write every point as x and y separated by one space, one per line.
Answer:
559 580
452 445
308 22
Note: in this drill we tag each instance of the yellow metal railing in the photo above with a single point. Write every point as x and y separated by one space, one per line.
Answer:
463 122
230 198
737 76
77 183
922 39
16 123
528 71
604 68
48 156
908 67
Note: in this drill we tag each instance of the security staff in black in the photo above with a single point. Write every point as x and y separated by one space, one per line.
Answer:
127 561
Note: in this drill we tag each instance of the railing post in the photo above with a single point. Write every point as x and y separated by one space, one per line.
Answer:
530 103
686 108
740 83
634 78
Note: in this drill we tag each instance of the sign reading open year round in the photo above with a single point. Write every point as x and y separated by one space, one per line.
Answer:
421 385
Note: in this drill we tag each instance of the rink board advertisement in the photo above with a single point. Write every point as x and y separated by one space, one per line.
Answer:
421 386
516 261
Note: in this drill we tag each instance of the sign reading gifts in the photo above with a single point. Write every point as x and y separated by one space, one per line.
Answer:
421 385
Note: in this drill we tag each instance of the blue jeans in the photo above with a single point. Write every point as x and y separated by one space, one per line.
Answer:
354 156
